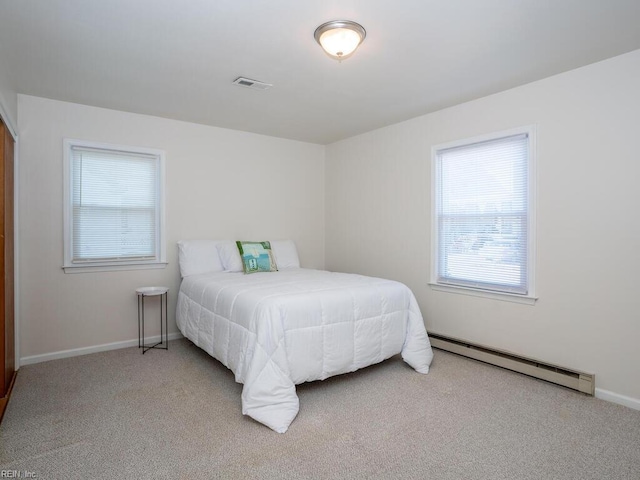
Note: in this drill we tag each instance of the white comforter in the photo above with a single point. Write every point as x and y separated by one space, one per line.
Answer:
275 330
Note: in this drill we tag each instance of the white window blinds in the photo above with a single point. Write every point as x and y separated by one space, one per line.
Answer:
482 215
115 206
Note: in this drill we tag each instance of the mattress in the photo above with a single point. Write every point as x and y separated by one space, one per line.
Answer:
278 329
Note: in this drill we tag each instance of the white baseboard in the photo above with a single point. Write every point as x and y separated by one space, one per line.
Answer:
45 357
617 398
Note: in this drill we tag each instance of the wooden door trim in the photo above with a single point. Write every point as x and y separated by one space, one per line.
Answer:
4 401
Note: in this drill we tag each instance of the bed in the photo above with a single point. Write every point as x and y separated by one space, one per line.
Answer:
277 329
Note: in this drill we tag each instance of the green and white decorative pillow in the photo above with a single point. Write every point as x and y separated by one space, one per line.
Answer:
256 257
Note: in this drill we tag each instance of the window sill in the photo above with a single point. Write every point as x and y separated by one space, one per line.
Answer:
505 297
112 268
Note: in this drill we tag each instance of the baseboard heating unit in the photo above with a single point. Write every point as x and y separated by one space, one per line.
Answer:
583 382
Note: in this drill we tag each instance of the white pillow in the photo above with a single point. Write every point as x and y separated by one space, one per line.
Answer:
229 256
198 256
285 253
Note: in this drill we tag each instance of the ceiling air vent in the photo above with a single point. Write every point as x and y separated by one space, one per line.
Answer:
254 84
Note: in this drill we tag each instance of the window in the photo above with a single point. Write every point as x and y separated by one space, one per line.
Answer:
113 207
483 216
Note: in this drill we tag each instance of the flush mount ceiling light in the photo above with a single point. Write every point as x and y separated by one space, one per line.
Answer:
340 38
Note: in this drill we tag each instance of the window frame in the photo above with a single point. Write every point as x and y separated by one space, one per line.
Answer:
160 260
530 297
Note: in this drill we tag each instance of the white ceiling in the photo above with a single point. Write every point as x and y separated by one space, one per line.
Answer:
177 59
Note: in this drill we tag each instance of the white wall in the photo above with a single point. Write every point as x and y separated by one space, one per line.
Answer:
587 316
219 184
8 102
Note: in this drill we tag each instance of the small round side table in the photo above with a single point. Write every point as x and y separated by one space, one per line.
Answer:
142 293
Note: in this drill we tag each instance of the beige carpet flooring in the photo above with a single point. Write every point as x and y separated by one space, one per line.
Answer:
176 415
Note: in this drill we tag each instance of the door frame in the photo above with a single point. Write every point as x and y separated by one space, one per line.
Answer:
6 119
